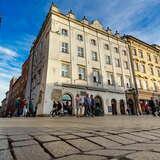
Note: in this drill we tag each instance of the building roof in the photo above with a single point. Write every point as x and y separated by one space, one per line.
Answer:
142 42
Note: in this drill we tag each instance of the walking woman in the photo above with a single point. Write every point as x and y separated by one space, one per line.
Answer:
78 104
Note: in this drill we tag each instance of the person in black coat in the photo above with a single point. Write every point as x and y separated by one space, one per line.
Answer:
152 106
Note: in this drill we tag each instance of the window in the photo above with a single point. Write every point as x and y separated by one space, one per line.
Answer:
64 32
156 59
134 52
106 46
110 78
116 50
96 76
65 70
143 69
119 80
128 81
108 59
94 56
154 86
140 53
117 62
145 85
139 84
80 37
148 57
136 66
126 65
93 42
124 52
80 52
151 69
82 73
64 47
158 71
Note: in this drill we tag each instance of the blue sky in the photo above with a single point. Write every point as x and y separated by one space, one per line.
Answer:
21 21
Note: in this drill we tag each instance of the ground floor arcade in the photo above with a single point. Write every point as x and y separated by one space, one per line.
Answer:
108 102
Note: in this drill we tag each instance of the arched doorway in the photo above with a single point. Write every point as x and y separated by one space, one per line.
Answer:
122 106
130 104
67 103
114 106
99 106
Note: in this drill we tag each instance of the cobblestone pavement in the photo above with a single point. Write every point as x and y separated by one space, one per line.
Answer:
84 142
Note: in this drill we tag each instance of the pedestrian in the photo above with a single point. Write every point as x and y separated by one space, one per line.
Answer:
25 108
30 109
22 104
17 104
139 110
87 105
92 103
152 106
59 108
146 107
54 109
78 105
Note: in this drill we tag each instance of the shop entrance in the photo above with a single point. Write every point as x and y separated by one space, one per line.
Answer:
114 106
99 111
122 107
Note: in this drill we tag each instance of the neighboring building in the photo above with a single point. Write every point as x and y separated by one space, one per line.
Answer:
146 68
17 87
71 56
3 107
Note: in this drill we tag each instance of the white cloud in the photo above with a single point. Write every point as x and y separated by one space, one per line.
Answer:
8 52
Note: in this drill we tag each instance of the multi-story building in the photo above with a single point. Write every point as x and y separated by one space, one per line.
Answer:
70 56
146 68
17 87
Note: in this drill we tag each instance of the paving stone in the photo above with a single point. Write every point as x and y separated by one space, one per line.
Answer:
119 139
3 137
83 157
3 144
83 134
144 156
46 138
20 137
37 133
142 134
34 152
5 155
58 133
24 143
60 148
109 152
153 134
69 137
103 141
139 147
112 131
102 133
133 137
84 145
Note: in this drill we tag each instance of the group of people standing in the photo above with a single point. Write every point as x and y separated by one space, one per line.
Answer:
151 106
23 108
85 106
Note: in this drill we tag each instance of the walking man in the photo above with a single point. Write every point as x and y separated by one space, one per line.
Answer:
92 105
152 106
87 105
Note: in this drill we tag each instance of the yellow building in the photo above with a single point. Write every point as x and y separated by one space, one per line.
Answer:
145 59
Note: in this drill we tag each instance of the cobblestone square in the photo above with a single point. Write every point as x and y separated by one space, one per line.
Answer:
70 138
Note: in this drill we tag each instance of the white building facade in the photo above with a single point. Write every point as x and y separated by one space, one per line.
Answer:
72 57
